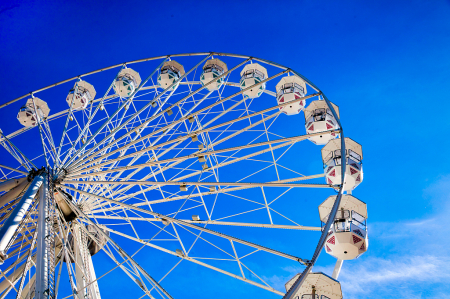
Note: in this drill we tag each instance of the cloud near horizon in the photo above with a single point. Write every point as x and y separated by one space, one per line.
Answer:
413 263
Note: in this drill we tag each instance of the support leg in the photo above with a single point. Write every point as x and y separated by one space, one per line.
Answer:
12 223
337 269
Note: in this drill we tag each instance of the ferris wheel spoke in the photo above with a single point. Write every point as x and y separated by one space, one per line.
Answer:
122 153
237 259
222 164
16 153
123 105
262 286
10 283
105 150
48 134
235 160
184 99
38 121
91 116
224 184
69 114
197 261
262 225
273 155
221 101
132 274
235 256
219 221
180 139
186 224
216 222
13 265
193 195
72 144
167 128
168 272
164 168
120 250
141 110
14 169
77 175
26 266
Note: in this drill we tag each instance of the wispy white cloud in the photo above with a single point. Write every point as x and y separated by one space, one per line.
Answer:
278 281
414 263
394 275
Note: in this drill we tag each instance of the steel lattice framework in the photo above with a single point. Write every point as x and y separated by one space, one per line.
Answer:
177 170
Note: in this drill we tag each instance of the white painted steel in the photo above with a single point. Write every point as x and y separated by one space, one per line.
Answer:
142 148
337 268
42 234
13 192
9 227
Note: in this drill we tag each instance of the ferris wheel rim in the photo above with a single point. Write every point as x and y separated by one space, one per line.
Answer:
161 57
312 262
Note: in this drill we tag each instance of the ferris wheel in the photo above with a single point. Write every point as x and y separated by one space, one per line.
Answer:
211 160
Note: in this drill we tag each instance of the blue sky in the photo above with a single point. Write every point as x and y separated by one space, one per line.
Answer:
385 63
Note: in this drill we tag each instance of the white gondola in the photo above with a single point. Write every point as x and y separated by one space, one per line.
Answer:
316 286
171 71
331 157
27 114
289 89
212 69
251 75
319 118
85 93
347 238
126 83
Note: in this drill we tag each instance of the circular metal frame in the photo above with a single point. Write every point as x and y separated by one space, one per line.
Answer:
109 168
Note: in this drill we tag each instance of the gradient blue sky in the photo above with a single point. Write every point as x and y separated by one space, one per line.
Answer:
386 63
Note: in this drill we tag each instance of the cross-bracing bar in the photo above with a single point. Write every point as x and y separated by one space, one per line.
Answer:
276 252
133 116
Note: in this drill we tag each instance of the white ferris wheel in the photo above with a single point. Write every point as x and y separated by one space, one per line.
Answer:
211 160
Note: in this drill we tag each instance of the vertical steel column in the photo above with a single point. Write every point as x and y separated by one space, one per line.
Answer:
85 274
9 227
123 253
45 256
94 289
81 273
41 262
84 269
337 269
